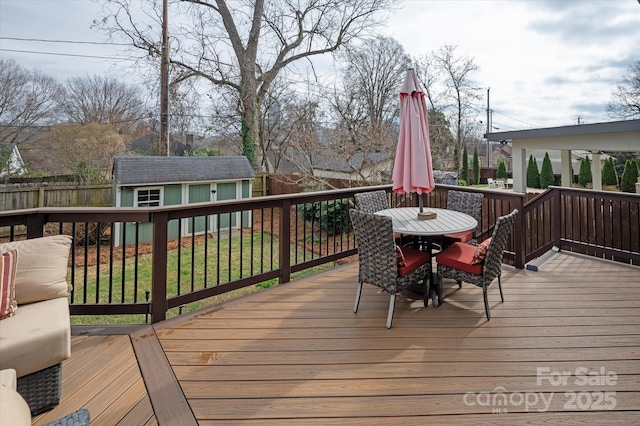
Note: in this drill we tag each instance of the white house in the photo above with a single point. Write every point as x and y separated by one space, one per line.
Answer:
11 160
594 138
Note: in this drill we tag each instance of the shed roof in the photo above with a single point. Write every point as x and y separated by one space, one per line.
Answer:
160 170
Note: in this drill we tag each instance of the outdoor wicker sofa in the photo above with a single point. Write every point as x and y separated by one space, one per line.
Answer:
36 338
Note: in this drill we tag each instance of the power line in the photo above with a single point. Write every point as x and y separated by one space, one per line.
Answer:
64 41
65 54
523 122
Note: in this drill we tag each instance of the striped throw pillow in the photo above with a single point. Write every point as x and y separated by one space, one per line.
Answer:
8 262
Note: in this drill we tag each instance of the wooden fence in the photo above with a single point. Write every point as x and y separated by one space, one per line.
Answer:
66 193
21 196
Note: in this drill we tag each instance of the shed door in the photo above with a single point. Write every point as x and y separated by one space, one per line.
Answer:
227 191
199 194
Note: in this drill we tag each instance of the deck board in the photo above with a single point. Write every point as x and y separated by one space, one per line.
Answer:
102 376
297 354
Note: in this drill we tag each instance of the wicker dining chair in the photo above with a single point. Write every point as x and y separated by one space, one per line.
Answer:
464 202
371 202
465 262
374 201
379 262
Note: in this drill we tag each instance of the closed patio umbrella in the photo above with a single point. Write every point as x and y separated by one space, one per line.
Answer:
412 169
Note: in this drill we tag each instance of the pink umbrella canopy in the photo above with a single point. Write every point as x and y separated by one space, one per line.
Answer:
412 169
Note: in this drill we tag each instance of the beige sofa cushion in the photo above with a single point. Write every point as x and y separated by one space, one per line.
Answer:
36 337
8 378
14 410
42 268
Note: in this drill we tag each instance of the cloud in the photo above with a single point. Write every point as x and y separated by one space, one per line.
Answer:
587 23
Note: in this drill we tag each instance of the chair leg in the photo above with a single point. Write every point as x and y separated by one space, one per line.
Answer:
427 282
438 286
358 293
392 304
486 302
459 284
500 287
436 290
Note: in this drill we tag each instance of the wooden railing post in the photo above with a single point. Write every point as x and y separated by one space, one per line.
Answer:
35 225
519 233
159 270
285 241
556 214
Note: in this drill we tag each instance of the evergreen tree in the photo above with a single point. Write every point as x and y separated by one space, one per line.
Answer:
533 175
609 176
502 170
546 173
584 176
465 165
476 167
629 176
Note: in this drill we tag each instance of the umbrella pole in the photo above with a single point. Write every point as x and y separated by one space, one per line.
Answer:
420 202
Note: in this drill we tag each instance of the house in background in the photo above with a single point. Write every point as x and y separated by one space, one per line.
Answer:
11 162
593 138
140 181
577 155
359 167
501 151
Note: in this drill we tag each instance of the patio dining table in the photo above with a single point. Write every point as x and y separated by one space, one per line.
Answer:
406 221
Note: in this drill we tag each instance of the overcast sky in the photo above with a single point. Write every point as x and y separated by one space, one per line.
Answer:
547 62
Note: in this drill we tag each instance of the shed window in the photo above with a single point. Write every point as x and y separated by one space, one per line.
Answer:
148 198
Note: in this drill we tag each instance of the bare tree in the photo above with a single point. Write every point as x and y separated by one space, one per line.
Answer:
287 126
441 140
244 45
374 73
625 103
87 149
28 99
366 105
461 94
103 100
430 75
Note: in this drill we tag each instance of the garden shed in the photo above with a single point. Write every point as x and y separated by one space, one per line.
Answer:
141 181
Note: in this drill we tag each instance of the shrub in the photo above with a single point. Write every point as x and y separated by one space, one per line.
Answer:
331 216
476 167
533 175
462 182
609 176
629 176
546 174
502 170
465 166
584 176
89 234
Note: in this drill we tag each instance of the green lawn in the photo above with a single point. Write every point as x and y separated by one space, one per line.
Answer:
221 260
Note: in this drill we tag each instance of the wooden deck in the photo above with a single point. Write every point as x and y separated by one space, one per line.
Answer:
563 348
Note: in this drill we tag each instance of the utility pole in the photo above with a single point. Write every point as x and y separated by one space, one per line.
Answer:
488 130
164 83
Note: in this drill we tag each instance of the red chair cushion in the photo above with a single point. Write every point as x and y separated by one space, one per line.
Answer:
413 259
458 237
460 256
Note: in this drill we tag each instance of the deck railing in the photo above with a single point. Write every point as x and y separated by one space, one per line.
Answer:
148 261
